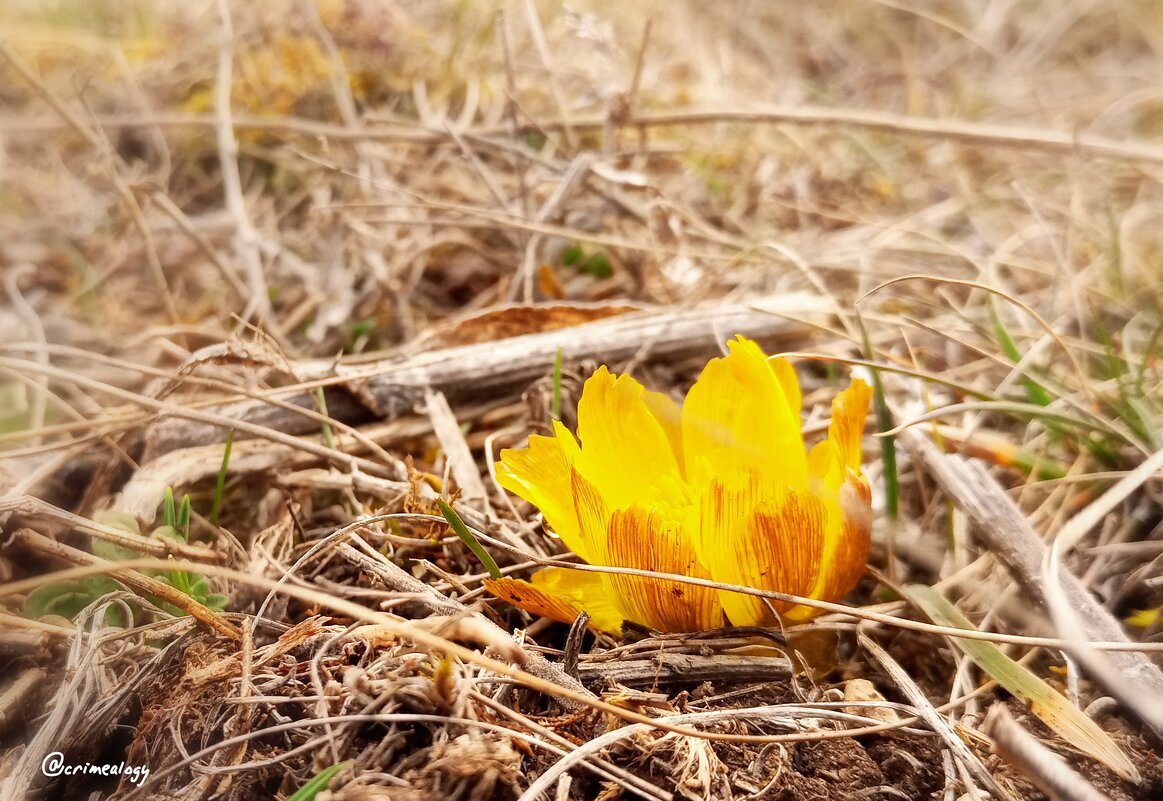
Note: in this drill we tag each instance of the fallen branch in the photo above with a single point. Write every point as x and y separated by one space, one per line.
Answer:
501 369
670 668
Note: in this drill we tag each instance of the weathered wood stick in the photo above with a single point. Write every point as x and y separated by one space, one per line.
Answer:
504 368
671 668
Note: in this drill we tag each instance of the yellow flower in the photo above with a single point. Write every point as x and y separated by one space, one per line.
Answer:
722 489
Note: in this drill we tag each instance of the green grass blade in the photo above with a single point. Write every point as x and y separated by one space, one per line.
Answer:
220 483
884 422
318 783
184 518
468 539
1034 391
555 408
169 510
1068 721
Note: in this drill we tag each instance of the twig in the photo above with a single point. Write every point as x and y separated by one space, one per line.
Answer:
671 668
14 704
246 237
970 133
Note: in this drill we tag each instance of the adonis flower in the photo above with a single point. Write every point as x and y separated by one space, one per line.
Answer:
721 489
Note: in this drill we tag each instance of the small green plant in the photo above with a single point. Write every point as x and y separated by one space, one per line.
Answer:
220 482
176 526
596 263
69 598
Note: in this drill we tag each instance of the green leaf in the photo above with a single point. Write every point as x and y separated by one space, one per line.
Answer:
114 518
884 422
68 598
184 518
1067 720
1034 391
361 328
468 539
318 783
111 551
194 585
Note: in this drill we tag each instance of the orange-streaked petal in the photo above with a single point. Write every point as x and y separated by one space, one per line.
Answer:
624 451
540 475
849 411
848 558
848 527
737 417
562 594
648 540
593 516
769 543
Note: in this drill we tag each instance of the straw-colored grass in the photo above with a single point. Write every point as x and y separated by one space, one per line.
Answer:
321 224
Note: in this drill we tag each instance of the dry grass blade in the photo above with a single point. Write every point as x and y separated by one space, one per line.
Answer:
456 450
319 218
961 752
1046 769
1004 530
1070 722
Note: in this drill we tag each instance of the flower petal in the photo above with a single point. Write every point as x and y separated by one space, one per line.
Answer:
647 540
849 411
739 417
540 475
625 452
766 541
669 417
848 528
848 558
785 374
593 516
562 594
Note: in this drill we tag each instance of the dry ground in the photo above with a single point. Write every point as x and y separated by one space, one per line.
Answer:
321 225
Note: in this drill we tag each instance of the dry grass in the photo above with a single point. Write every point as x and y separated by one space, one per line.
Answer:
305 221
